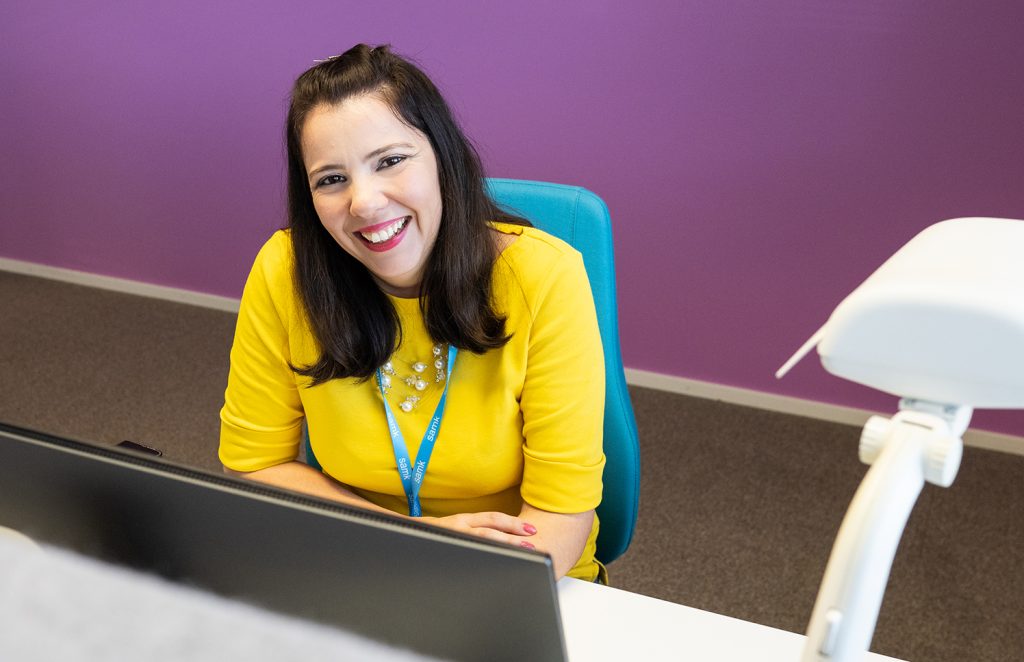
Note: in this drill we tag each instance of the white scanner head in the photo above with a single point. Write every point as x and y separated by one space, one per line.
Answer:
942 320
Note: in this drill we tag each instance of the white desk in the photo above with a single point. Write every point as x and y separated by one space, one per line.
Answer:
602 623
56 605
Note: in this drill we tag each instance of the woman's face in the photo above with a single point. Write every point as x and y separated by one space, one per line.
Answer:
375 188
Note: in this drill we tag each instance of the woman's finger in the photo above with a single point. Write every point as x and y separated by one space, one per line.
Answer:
501 522
499 536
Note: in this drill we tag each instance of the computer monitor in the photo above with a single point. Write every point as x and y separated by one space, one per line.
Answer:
398 581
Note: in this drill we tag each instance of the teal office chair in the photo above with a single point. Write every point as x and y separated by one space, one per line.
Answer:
580 218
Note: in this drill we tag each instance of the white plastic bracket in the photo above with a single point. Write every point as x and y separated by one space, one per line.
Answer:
943 449
921 442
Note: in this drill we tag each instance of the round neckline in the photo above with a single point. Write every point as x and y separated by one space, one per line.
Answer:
404 302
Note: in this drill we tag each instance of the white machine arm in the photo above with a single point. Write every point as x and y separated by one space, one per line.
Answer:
941 321
920 443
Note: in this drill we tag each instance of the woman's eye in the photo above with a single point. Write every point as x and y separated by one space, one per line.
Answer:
390 161
330 179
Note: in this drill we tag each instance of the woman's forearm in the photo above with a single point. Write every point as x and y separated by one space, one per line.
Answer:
562 535
300 477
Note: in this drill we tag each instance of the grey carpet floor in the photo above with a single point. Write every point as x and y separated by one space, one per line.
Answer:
739 507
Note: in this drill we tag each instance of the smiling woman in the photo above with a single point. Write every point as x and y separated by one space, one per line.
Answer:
401 304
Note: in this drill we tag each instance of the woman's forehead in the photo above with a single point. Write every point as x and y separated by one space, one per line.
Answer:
356 124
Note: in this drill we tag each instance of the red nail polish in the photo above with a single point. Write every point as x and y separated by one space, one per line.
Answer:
530 528
527 545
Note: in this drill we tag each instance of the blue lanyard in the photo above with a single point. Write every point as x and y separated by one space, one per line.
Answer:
412 476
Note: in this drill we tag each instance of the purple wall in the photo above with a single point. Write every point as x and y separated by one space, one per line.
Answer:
759 158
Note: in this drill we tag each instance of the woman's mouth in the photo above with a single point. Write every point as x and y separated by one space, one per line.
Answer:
384 236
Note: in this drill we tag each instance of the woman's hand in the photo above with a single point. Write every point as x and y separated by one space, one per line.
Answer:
490 525
562 536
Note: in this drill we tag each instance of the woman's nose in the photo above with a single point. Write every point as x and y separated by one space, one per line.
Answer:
367 198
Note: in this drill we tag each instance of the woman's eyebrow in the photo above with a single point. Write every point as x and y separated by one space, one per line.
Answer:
387 148
329 166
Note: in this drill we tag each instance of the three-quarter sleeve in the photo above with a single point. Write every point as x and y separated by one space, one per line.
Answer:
563 393
261 420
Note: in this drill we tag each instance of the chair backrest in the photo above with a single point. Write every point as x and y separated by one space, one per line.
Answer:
581 219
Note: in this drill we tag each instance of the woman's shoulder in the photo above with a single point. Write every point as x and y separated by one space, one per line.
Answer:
274 265
534 246
535 260
276 255
278 247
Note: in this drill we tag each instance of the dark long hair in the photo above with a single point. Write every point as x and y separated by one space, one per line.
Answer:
355 324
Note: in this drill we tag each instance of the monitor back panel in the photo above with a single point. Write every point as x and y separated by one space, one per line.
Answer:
403 583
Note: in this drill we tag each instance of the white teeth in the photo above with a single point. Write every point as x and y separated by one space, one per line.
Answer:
386 233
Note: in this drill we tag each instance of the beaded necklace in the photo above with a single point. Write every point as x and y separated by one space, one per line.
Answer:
387 375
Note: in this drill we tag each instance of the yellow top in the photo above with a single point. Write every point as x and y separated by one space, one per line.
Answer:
521 423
